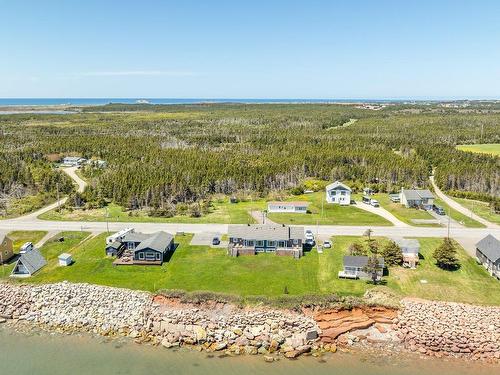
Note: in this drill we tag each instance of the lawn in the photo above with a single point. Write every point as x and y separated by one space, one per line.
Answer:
480 209
328 214
471 283
194 268
486 148
221 212
458 216
402 213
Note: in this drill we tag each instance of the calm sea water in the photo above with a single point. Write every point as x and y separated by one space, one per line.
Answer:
44 354
103 101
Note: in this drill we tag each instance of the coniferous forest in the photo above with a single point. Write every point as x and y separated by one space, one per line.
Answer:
164 154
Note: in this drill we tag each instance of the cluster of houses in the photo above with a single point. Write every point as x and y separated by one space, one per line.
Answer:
77 161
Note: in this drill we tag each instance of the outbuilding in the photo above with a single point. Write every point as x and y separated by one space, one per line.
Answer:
299 207
488 254
410 248
65 259
30 262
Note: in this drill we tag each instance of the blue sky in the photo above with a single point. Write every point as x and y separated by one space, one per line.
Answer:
250 49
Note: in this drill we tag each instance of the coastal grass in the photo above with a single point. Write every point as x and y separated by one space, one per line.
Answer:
481 209
203 269
220 212
324 213
20 237
458 216
485 148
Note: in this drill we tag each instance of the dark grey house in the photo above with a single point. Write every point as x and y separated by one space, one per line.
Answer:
354 267
29 262
141 248
488 254
264 238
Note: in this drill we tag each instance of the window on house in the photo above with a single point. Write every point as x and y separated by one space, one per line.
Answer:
342 193
272 243
281 243
295 241
260 243
250 243
158 256
141 256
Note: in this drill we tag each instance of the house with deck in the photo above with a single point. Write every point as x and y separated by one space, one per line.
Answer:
417 198
410 248
354 268
29 262
488 254
338 193
6 249
299 207
141 248
251 239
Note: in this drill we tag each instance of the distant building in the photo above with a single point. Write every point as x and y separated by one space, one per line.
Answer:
417 198
6 250
354 268
65 259
251 239
410 249
28 263
141 248
338 193
73 161
299 207
488 254
97 163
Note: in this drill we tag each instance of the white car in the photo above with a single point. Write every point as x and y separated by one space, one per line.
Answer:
327 244
374 203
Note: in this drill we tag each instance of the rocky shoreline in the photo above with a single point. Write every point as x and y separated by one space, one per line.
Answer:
427 328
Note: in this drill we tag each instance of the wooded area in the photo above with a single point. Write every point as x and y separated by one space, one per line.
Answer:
160 155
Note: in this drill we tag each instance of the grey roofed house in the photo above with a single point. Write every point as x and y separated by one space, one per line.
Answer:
265 232
28 263
159 241
488 254
354 267
489 246
417 197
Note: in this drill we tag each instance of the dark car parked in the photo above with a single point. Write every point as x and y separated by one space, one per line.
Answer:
216 241
439 210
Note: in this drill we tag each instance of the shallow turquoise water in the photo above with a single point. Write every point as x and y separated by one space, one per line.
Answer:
44 354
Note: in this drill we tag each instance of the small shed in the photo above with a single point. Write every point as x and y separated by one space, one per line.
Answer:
65 259
410 249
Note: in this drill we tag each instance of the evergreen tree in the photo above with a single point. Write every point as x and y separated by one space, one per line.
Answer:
446 255
356 249
392 254
373 268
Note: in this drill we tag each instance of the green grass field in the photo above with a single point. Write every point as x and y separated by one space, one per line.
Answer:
221 212
486 148
195 268
402 213
481 209
458 216
233 213
331 214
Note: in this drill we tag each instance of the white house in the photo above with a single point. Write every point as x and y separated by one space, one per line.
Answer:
338 193
290 207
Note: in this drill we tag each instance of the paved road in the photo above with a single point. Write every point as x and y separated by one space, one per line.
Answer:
381 212
457 206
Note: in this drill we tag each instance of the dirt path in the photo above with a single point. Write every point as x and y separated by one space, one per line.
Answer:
457 206
260 218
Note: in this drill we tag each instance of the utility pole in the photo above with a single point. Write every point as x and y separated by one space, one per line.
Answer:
58 203
107 219
449 222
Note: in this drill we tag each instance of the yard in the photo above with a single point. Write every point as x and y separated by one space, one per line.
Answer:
194 268
480 209
458 216
406 215
486 148
328 214
221 212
